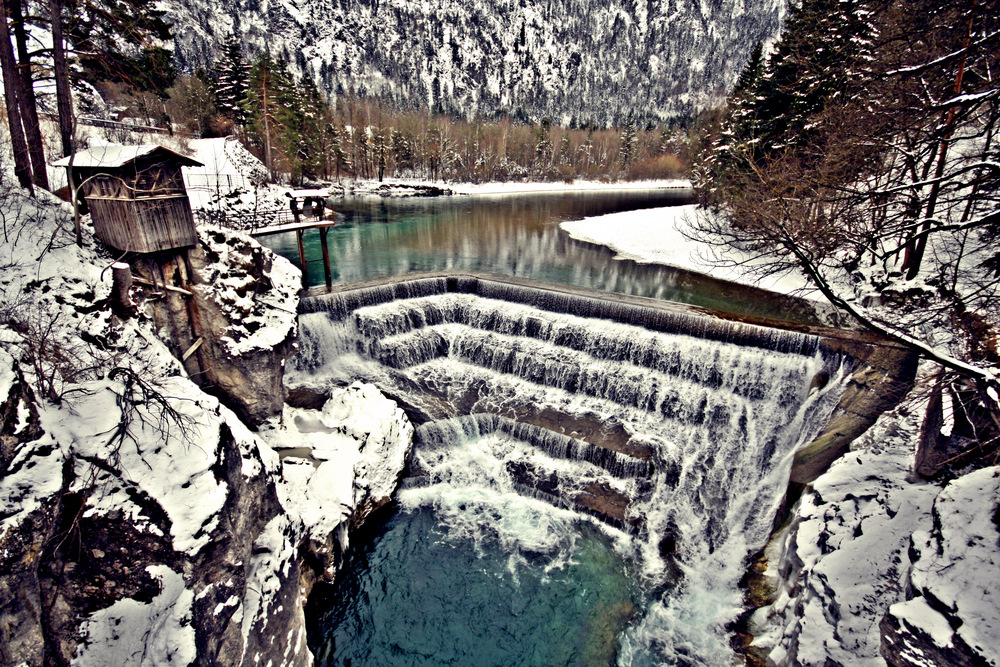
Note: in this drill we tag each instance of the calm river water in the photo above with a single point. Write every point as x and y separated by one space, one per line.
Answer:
513 235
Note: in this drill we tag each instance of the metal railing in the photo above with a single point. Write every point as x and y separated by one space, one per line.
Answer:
129 127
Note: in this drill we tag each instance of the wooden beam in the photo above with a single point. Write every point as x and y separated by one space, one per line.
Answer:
302 254
149 283
326 256
191 350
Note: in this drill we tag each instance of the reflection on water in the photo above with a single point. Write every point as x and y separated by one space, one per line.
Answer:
513 235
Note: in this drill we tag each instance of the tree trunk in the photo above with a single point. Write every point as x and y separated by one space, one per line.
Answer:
121 280
28 108
64 100
913 259
11 80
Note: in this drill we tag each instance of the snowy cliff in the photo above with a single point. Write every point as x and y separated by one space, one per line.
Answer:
141 521
880 567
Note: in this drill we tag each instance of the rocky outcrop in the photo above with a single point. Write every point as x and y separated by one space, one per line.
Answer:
950 616
957 429
340 463
187 541
878 566
227 308
21 635
167 542
883 376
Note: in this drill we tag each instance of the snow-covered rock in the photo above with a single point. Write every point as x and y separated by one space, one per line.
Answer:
141 514
340 464
951 616
843 557
242 315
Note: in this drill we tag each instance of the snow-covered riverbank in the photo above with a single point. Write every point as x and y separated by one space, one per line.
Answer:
657 236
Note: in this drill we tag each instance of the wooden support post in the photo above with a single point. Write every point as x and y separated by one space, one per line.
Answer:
326 257
169 288
302 255
121 280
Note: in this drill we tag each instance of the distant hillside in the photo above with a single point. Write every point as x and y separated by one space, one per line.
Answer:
565 59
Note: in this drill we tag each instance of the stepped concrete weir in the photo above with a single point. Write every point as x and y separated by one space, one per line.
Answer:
688 430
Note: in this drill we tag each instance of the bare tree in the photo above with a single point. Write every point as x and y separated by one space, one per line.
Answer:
892 205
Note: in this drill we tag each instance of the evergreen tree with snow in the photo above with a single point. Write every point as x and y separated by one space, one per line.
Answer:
273 109
122 42
778 105
231 81
628 143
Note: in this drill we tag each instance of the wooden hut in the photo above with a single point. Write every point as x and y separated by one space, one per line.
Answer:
135 195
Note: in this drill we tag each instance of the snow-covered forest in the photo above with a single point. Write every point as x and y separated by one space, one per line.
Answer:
560 59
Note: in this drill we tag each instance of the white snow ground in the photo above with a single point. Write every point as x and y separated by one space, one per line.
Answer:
656 236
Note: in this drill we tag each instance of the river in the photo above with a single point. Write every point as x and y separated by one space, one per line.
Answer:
505 547
514 235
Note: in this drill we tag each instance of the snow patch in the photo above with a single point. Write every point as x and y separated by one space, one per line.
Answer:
350 451
136 633
956 567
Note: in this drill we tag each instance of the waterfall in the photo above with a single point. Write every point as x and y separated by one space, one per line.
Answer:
674 428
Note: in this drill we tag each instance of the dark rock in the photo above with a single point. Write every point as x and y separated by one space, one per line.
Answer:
906 645
18 417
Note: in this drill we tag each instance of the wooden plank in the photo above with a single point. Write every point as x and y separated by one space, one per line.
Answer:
191 350
169 288
302 254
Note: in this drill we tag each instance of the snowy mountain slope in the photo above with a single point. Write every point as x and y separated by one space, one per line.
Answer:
583 59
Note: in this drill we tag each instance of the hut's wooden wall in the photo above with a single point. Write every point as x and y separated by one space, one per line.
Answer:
147 224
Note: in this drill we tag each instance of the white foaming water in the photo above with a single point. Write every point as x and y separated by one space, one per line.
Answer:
476 499
723 420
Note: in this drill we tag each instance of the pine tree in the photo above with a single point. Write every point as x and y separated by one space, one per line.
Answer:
314 137
13 92
117 41
778 106
26 95
825 45
231 81
751 72
266 116
628 143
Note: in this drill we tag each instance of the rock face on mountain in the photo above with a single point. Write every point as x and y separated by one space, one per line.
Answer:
564 59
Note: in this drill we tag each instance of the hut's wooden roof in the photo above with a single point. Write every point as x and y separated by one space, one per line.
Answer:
113 156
